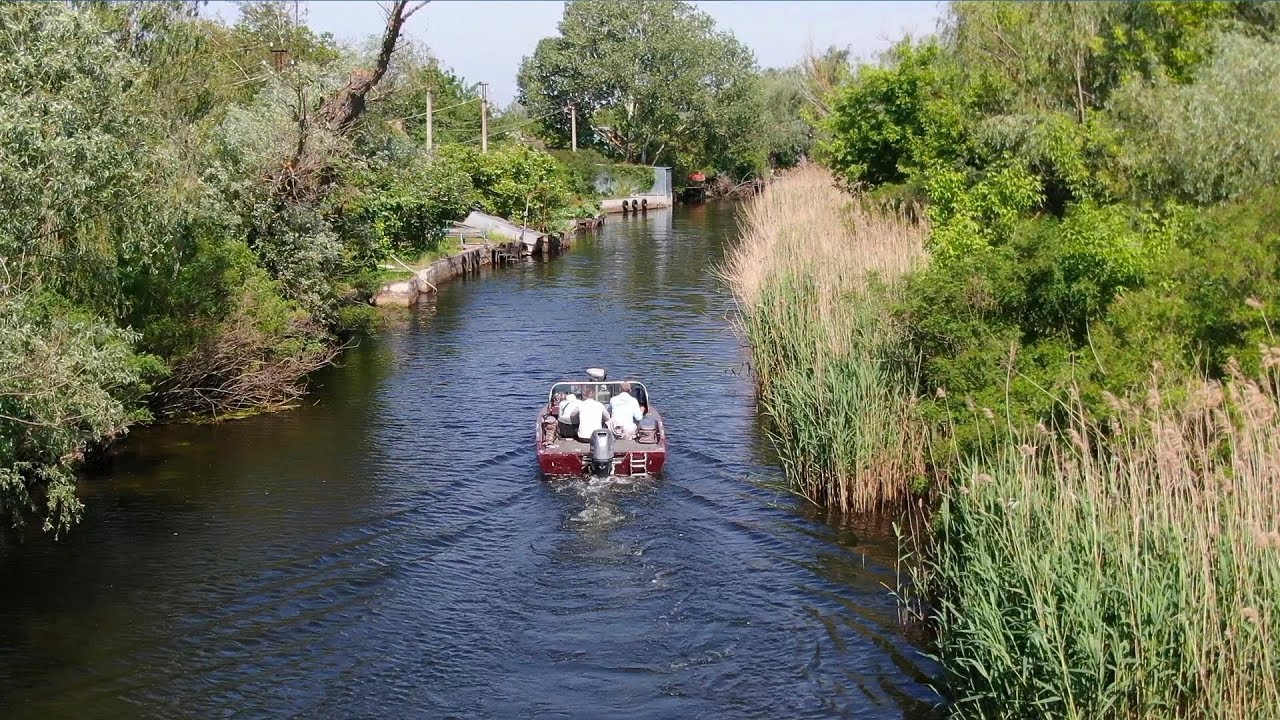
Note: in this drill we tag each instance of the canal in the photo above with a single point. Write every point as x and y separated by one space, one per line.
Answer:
387 549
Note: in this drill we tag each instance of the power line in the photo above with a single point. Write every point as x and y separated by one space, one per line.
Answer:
433 112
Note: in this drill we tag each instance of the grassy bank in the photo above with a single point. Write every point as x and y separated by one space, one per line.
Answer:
1120 559
815 277
195 244
1128 573
1100 209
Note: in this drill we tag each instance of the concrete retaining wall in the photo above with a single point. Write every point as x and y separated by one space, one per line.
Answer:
622 205
405 292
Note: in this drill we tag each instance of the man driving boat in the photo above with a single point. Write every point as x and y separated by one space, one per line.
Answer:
625 411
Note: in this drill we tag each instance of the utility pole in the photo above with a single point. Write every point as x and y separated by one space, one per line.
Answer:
484 117
430 120
573 127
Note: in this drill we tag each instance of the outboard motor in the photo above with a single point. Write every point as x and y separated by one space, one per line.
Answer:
601 453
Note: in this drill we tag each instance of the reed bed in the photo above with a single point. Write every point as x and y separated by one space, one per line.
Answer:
814 277
1131 570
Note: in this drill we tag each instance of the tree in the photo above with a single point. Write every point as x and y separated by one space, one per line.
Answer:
653 81
341 109
891 120
789 133
402 101
823 74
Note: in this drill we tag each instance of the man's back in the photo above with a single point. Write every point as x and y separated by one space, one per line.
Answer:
625 409
569 407
590 417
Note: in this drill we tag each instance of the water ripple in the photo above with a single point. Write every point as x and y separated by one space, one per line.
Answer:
390 551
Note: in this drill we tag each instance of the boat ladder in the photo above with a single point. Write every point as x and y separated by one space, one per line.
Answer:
639 463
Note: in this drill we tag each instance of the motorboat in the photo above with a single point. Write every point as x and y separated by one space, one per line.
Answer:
606 451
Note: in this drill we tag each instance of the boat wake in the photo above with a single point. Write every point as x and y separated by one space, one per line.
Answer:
597 499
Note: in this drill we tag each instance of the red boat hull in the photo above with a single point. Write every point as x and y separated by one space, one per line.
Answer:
561 455
572 457
636 462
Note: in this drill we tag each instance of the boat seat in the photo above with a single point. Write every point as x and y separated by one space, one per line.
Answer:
568 428
647 431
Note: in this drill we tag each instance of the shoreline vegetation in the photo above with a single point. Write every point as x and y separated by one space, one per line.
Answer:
195 213
1069 394
815 276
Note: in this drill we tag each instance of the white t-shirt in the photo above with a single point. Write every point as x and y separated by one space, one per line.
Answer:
625 410
591 416
569 406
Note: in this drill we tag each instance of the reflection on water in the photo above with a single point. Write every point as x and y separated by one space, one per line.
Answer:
387 549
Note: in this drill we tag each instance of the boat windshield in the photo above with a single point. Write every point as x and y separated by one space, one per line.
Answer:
602 390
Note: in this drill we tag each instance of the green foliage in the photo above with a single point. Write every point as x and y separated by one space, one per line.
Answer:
402 203
1211 297
1152 38
968 217
1016 326
1035 56
67 379
653 83
591 174
1213 139
889 121
1074 158
788 130
69 147
513 181
359 320
165 174
1072 161
1040 278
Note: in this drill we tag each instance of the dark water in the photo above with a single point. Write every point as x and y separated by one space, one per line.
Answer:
388 550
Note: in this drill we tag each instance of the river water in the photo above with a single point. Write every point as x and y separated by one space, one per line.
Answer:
388 549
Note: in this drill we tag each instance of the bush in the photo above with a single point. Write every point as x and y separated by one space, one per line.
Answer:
892 120
1214 139
1009 329
513 181
257 356
591 174
402 203
67 381
359 320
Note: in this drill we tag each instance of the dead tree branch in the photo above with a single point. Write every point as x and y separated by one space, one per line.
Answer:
341 110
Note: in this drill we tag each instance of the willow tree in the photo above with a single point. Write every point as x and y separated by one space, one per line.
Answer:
652 82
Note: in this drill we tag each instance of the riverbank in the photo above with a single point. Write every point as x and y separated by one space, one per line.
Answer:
815 278
1117 564
482 251
284 564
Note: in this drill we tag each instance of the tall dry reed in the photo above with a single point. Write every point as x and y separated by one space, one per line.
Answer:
1126 571
814 275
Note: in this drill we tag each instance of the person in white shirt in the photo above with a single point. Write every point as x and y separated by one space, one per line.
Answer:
592 415
569 406
567 415
625 411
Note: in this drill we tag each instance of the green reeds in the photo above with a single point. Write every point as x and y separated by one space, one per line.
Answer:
813 278
1131 571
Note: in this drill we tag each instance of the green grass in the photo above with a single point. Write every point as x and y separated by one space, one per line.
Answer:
445 248
1128 574
389 275
816 313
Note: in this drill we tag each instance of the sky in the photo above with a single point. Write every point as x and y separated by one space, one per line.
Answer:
485 40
